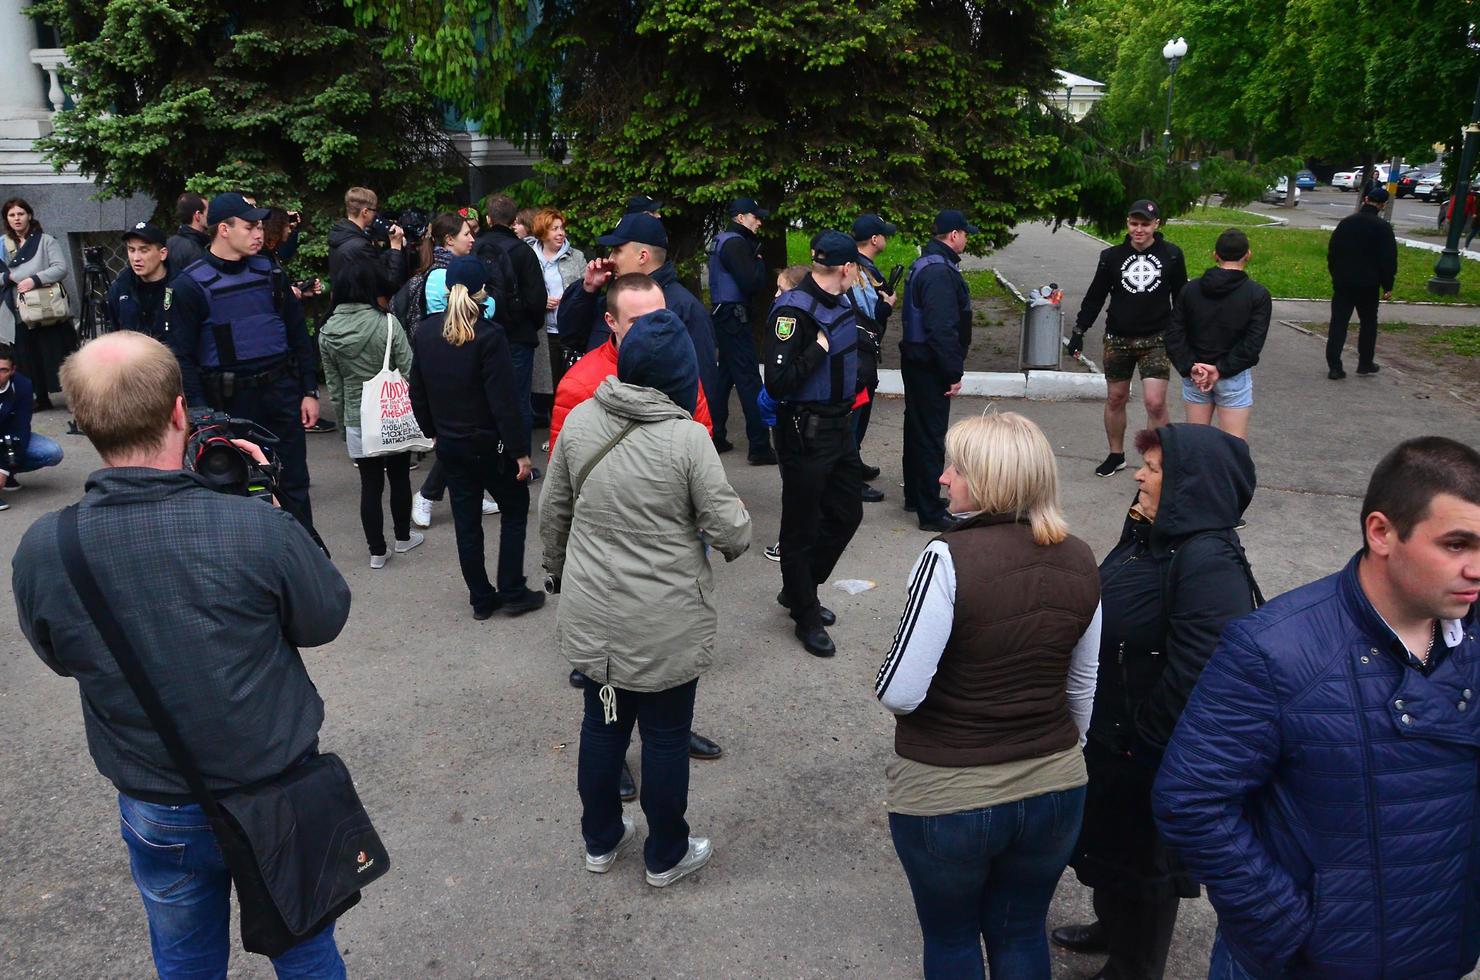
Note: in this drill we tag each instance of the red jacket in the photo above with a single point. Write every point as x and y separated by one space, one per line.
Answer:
586 375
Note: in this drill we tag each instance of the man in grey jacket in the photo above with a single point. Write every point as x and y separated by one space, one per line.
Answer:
235 588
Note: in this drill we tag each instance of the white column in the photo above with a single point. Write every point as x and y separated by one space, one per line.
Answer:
25 111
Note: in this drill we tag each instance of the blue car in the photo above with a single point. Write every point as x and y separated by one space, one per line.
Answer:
1305 180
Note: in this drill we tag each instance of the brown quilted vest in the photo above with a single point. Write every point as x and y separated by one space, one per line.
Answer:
998 694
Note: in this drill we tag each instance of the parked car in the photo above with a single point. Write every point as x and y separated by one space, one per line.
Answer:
1305 180
1407 181
1278 193
1350 180
1431 189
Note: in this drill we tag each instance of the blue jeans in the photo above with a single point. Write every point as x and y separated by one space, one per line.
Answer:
664 718
988 874
40 453
523 358
186 890
738 369
1222 965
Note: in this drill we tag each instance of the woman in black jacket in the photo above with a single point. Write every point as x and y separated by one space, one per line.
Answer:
1167 589
464 394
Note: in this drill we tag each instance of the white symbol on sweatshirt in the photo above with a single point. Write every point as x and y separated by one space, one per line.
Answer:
1141 273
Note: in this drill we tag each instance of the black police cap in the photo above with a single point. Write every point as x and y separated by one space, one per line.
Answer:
833 248
145 232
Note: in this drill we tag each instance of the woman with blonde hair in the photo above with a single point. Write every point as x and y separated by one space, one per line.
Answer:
465 395
992 678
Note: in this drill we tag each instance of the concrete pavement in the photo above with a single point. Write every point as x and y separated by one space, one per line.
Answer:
462 735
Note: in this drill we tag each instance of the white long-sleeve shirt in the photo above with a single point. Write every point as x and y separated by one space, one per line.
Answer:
925 627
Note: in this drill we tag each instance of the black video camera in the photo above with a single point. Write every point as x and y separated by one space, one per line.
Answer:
225 465
92 260
413 222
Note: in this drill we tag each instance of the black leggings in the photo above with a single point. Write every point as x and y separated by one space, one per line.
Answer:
374 470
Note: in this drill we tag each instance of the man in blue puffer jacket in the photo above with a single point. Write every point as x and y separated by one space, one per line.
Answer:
1324 779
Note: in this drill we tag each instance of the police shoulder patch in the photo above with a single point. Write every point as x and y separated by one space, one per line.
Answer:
169 294
785 327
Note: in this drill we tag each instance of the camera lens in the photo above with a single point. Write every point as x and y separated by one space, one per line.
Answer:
222 465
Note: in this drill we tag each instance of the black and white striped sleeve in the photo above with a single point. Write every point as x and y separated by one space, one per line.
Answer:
923 631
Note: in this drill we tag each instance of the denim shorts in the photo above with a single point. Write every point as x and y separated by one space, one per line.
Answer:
1234 392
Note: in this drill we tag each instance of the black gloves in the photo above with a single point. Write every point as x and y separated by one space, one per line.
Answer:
1076 343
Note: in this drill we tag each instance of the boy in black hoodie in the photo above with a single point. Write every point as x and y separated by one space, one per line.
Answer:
1217 330
1141 277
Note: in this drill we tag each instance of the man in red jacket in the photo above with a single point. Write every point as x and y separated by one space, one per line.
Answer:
627 298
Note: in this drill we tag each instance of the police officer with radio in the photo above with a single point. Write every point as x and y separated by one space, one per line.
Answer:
136 298
243 347
937 331
812 372
736 274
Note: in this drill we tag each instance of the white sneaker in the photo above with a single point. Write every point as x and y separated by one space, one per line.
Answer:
602 863
404 546
490 506
4 505
696 858
378 561
545 446
421 511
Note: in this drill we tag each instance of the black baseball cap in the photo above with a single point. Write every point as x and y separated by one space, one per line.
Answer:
641 203
1144 208
952 220
747 205
146 232
638 227
833 248
232 205
866 226
1377 194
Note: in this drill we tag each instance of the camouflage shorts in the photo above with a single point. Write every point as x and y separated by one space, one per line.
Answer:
1122 354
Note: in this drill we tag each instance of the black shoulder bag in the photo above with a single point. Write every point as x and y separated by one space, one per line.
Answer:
298 846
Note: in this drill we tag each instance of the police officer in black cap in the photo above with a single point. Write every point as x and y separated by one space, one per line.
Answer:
812 372
736 274
136 298
874 297
936 315
642 204
243 347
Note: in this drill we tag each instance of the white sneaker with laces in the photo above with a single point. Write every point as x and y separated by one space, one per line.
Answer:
602 863
490 506
421 511
404 546
697 856
378 561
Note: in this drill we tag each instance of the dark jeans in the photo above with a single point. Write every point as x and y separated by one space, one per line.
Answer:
665 719
182 878
927 415
435 484
1138 932
1343 301
374 472
467 477
523 358
738 369
277 407
990 875
821 508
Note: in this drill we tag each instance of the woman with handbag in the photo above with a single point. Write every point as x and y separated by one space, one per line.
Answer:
34 314
359 341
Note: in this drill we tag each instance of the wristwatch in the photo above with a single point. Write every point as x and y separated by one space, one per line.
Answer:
311 393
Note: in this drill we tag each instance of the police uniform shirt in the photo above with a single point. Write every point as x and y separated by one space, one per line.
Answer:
793 354
134 304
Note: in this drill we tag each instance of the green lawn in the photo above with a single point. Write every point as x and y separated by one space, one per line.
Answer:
1212 214
1291 263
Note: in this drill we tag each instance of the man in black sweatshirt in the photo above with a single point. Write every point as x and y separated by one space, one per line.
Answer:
1141 276
1218 327
1362 257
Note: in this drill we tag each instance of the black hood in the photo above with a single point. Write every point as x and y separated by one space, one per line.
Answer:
1207 480
1218 282
343 230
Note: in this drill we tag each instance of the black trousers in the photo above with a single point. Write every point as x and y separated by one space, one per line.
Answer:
1343 301
468 476
821 507
277 407
1138 931
927 414
374 472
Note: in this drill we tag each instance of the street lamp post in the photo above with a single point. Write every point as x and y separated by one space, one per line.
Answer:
1445 281
1173 51
1069 101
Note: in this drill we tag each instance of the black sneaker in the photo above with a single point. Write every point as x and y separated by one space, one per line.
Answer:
1335 374
871 495
939 524
723 445
322 425
1112 465
521 603
764 456
1366 369
11 484
870 473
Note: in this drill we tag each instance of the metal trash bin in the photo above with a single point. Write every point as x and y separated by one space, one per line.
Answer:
1041 346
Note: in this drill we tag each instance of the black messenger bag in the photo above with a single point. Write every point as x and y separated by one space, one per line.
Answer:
299 846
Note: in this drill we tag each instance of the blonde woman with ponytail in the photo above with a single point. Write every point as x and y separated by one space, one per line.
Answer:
465 394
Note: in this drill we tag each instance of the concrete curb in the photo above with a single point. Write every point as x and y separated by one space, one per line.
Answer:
1053 386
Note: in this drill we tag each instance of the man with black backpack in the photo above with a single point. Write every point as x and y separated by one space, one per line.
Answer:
235 588
521 310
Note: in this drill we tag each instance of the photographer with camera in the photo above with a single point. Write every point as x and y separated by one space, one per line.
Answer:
235 589
136 297
21 450
242 343
351 240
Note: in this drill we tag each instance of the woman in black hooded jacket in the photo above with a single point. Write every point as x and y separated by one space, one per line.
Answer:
1175 579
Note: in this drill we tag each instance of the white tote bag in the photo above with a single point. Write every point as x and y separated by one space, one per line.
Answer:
387 424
